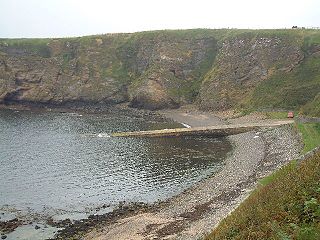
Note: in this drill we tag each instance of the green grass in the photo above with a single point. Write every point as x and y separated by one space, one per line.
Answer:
310 135
283 89
296 89
119 57
311 39
312 108
277 114
289 90
272 177
30 45
285 206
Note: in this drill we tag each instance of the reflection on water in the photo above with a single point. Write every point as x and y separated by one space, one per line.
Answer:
51 162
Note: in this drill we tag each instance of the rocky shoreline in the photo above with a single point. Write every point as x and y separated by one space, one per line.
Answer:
77 229
193 213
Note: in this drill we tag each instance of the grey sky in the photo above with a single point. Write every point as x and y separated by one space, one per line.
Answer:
61 18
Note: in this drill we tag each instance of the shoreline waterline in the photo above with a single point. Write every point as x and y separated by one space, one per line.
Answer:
120 210
194 212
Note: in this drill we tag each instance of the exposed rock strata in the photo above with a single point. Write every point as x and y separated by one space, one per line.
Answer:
242 63
218 69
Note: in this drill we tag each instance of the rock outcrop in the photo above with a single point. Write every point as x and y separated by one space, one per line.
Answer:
243 62
217 69
67 73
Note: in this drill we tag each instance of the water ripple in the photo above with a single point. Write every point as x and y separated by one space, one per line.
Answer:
68 161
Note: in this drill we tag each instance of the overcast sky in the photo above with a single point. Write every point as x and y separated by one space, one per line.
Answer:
62 18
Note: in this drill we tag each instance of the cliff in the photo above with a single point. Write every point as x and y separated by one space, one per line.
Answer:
215 69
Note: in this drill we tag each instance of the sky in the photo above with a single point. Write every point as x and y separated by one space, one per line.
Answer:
69 18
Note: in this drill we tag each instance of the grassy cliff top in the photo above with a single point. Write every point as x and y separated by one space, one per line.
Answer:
312 35
217 69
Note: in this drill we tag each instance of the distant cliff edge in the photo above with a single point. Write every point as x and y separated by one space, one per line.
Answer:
214 69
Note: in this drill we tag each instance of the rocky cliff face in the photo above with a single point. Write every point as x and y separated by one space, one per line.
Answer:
217 69
67 72
165 69
151 70
243 62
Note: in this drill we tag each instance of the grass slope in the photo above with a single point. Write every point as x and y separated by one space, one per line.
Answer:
312 108
310 134
289 90
297 89
286 205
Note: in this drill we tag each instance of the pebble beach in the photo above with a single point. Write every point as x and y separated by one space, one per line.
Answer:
195 212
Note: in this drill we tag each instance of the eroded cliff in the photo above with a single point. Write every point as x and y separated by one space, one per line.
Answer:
216 69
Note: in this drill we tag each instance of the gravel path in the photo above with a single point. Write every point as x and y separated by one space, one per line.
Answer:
196 211
192 117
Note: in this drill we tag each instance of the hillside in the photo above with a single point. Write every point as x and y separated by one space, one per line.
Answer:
286 203
215 69
286 208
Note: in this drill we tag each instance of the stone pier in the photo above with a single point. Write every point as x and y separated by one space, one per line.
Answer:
216 131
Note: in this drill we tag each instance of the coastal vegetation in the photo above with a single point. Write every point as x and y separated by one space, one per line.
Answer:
291 90
310 134
276 115
270 71
215 69
285 205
